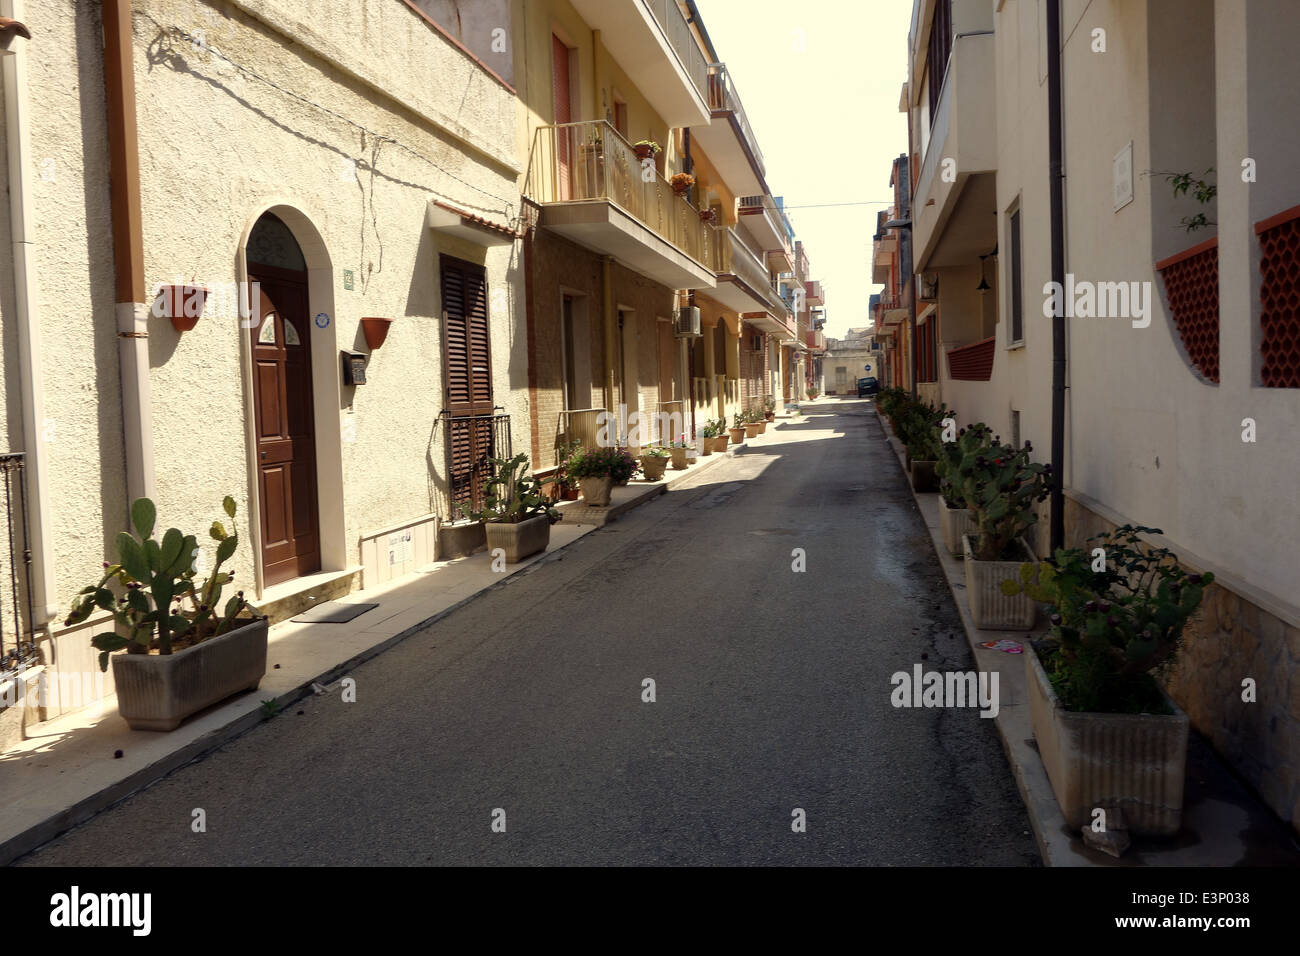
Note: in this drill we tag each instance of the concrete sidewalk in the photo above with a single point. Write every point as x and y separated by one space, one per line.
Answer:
1224 823
71 768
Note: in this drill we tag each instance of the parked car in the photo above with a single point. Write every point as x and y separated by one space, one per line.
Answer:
868 386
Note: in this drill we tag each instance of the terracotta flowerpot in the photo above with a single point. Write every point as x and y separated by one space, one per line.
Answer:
737 434
720 443
752 429
989 607
770 416
183 304
705 447
681 190
653 466
569 493
519 539
596 491
376 330
679 459
157 691
644 152
762 427
1134 762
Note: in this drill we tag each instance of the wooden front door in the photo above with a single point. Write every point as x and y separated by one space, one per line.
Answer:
467 374
285 428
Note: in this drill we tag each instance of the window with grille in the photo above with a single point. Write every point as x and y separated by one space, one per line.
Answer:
1016 302
1279 293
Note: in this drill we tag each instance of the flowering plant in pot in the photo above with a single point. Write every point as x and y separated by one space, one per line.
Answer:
678 450
594 469
623 465
646 148
682 183
185 650
1001 488
956 463
516 515
1109 735
753 423
654 460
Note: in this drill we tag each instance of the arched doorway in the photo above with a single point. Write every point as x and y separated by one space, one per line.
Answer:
283 407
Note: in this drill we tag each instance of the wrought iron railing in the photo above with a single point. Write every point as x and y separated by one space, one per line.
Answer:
577 426
723 96
17 645
682 40
469 444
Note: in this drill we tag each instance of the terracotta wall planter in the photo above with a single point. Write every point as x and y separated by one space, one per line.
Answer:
1136 762
376 330
653 467
519 539
737 435
596 491
157 692
183 304
924 480
955 522
989 607
720 443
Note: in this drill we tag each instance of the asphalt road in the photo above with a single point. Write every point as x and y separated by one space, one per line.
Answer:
772 693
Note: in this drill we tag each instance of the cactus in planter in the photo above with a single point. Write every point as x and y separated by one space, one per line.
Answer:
1001 485
957 460
153 574
1116 617
513 494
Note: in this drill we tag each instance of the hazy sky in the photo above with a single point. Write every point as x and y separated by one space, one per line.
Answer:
827 121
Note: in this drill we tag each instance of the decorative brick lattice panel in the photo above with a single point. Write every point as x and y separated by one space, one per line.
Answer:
1192 287
1279 292
971 363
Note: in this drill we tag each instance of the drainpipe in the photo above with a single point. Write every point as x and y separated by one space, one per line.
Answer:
611 350
128 251
1057 173
44 597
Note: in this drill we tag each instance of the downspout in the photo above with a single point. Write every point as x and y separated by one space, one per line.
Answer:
44 598
610 322
128 251
905 240
1057 188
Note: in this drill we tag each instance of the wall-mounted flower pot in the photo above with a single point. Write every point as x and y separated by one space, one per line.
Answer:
376 330
519 539
955 522
158 691
989 607
596 491
183 304
737 435
1134 762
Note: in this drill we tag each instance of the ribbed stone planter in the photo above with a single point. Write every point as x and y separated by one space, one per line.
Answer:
157 692
1136 762
924 480
955 522
596 491
653 466
679 459
989 607
519 539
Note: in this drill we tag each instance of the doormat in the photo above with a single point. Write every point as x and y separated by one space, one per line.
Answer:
332 612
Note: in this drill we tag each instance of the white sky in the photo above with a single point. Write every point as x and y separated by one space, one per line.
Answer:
826 120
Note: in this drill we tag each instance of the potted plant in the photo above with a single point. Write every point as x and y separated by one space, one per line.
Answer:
956 462
922 428
719 434
812 393
708 433
769 408
594 471
185 650
623 466
682 183
753 424
565 486
1001 489
654 460
646 149
516 515
737 430
1108 734
709 216
678 451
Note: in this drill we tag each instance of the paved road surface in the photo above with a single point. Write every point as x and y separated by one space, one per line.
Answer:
772 690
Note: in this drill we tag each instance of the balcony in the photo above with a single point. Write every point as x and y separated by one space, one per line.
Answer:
964 131
589 185
767 224
745 286
729 140
651 41
884 252
813 292
815 339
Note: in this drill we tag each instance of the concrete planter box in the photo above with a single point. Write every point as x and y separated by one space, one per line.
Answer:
737 435
157 692
519 539
924 480
752 429
653 466
989 607
720 443
596 491
955 522
1135 762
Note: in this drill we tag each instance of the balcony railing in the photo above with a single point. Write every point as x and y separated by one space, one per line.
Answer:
579 162
577 426
723 96
1191 281
739 260
469 443
972 363
669 17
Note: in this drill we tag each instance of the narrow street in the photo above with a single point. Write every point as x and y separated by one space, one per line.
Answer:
772 693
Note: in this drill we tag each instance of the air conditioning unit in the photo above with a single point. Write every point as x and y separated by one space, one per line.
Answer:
929 287
688 323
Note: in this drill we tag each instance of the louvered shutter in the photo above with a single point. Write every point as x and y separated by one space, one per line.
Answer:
467 362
